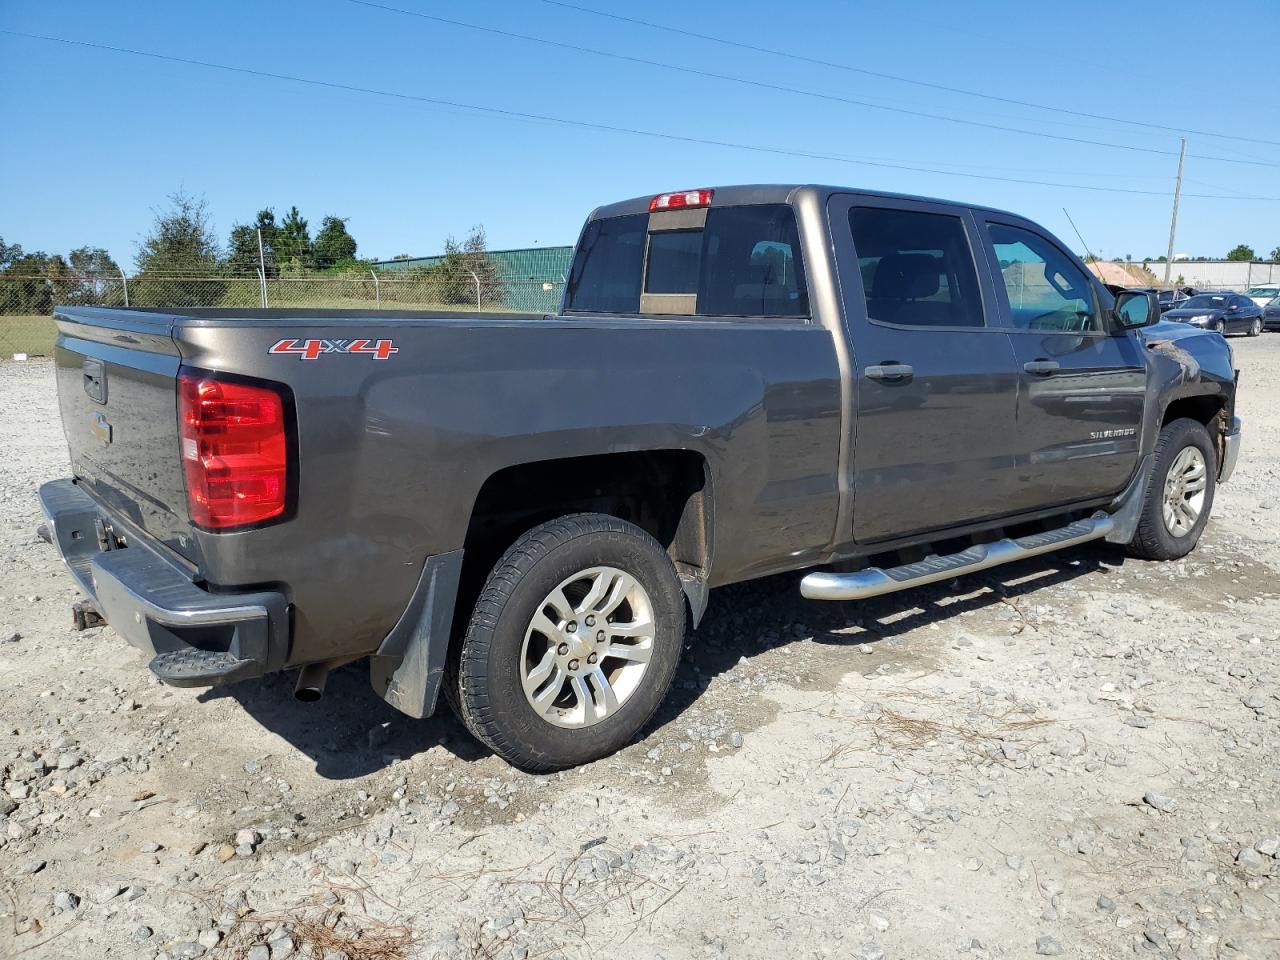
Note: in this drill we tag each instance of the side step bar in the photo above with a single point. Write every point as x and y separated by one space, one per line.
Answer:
874 581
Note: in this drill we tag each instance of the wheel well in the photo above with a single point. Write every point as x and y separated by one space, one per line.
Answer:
664 492
1204 409
1213 412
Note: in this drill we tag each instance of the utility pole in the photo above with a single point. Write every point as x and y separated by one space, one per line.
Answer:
1173 223
262 262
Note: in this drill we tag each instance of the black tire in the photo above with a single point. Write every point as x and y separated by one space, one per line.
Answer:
1256 329
488 694
1153 539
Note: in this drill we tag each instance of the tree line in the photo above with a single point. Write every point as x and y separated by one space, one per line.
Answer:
181 243
182 240
1240 253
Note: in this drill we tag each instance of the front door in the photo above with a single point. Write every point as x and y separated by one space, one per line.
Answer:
935 378
1083 383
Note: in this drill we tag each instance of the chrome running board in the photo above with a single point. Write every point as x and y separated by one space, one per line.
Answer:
874 581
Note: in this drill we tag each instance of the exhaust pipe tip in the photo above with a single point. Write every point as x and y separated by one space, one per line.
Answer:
311 681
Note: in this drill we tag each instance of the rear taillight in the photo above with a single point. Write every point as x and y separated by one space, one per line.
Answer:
235 450
680 200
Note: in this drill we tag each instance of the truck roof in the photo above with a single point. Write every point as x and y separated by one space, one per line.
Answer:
749 193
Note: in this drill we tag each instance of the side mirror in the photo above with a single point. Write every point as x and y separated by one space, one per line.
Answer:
1234 308
1136 308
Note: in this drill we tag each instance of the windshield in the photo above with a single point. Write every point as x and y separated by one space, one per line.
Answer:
1205 301
1263 292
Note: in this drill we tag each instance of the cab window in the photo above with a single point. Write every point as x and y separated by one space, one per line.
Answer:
1044 289
917 268
744 261
605 277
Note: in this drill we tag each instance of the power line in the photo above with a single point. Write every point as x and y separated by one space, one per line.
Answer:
504 113
496 31
703 73
899 79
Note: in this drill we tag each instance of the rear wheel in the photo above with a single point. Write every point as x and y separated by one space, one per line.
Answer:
573 643
1180 493
1256 329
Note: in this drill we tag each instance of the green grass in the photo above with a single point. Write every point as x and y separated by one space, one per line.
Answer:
33 335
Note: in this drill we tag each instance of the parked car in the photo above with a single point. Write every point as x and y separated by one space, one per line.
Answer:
527 512
1271 315
1264 294
1169 299
1224 312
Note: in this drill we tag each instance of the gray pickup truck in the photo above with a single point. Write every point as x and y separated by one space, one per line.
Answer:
527 512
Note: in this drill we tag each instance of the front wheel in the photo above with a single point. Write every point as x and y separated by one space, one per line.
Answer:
1180 493
573 643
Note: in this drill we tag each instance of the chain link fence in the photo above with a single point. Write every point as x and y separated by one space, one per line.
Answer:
27 302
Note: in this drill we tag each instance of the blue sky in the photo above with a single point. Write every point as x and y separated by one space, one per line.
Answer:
92 141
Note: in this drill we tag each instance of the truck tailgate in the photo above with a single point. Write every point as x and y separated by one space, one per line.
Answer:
116 375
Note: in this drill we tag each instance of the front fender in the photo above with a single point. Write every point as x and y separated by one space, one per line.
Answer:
1185 362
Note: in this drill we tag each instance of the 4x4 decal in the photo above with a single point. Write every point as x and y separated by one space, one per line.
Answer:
314 349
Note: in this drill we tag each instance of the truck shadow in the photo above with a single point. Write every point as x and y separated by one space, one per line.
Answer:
750 619
352 732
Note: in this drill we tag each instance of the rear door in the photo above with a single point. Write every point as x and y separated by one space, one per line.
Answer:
1083 385
936 382
1241 319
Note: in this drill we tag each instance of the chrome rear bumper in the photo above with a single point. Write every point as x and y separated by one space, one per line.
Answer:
195 637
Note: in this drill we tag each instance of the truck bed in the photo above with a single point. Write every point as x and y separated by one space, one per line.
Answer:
310 313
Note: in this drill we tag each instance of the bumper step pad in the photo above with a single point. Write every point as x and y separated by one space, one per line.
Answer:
201 668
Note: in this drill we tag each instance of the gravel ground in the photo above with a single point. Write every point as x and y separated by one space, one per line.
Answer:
1072 756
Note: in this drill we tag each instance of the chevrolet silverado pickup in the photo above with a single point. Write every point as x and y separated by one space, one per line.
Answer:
527 512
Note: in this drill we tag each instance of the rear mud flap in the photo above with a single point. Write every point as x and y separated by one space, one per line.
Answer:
408 668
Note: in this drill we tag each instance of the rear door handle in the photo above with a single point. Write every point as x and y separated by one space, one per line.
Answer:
889 371
1042 367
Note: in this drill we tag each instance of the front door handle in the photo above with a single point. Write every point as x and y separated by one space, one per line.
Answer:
1042 367
889 371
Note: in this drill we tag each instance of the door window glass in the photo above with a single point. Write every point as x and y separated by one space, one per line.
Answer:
917 268
1044 288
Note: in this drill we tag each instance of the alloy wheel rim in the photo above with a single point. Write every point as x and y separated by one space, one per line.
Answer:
1185 486
587 647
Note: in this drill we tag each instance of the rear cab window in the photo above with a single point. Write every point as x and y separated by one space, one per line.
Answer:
606 272
734 261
